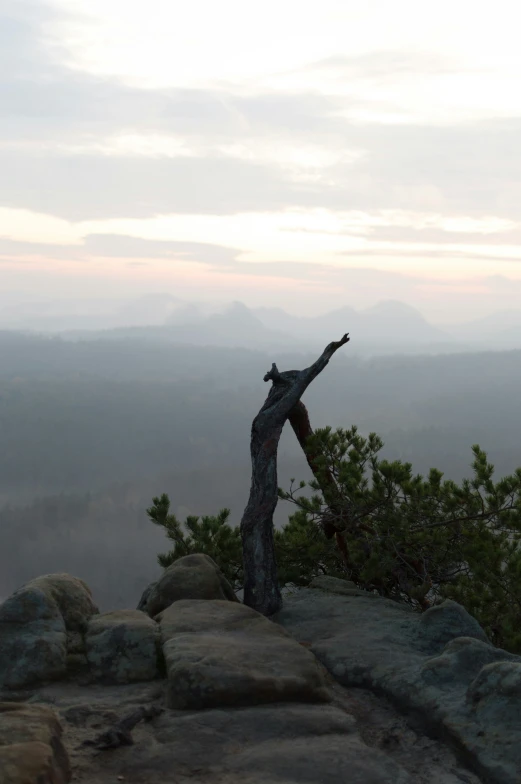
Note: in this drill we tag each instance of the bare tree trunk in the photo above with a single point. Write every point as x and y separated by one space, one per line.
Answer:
261 588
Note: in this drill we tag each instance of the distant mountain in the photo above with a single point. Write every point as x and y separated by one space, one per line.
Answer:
389 327
150 309
236 327
385 323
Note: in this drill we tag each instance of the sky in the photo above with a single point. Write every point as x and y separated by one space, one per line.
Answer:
303 155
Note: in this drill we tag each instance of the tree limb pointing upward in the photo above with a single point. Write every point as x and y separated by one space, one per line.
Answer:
261 588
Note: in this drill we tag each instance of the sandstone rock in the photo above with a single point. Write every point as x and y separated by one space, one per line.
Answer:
31 748
219 745
32 639
142 604
284 743
123 647
336 585
73 597
438 667
75 643
220 653
195 576
305 760
37 623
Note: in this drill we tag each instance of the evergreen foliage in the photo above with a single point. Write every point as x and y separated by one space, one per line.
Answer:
211 535
413 539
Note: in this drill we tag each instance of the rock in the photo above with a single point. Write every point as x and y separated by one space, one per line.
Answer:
195 576
123 647
324 759
142 604
75 643
27 763
37 624
73 597
443 623
336 585
358 731
31 748
220 653
284 743
32 639
272 711
438 667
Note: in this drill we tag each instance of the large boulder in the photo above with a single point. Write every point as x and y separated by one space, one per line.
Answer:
142 604
31 748
123 647
219 653
38 624
73 597
438 667
195 576
33 639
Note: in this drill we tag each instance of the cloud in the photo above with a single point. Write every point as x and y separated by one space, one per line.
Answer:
386 64
123 247
118 246
337 138
440 236
455 171
98 187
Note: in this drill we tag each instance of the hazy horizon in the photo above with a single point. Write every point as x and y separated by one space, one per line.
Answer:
10 300
385 328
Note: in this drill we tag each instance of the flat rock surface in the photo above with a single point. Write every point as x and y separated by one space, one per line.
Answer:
356 733
436 667
221 653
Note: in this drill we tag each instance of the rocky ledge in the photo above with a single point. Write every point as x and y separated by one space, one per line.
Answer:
194 686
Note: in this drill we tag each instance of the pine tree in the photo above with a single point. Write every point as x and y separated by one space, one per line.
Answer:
412 539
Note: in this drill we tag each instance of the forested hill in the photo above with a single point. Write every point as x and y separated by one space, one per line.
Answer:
39 356
123 421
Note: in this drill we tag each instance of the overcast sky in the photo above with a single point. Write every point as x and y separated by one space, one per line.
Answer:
299 154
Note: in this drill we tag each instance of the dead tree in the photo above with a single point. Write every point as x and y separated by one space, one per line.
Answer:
261 588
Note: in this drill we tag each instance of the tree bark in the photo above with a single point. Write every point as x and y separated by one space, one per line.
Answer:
261 588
